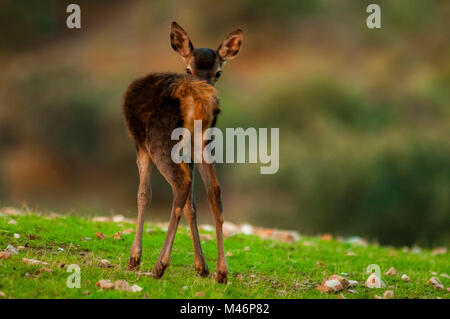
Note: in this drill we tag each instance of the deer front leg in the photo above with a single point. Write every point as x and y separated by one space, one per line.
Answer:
213 191
143 200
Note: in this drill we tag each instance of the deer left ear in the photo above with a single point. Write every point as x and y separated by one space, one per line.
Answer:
231 45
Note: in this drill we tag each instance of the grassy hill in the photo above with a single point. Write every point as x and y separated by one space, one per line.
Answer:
259 268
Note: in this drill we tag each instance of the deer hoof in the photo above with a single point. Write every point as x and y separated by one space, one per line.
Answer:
133 263
203 271
158 270
221 277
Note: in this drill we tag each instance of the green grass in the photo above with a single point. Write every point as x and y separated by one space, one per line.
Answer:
268 270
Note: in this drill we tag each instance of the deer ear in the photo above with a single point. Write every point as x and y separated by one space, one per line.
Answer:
179 40
231 45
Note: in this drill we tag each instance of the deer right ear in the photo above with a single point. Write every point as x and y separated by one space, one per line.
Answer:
179 40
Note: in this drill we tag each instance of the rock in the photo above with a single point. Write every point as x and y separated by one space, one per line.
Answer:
405 278
101 219
333 284
122 285
284 236
388 294
5 254
246 229
439 251
12 249
33 261
206 237
118 219
391 272
136 288
105 284
42 270
374 282
436 283
355 240
100 236
117 236
105 263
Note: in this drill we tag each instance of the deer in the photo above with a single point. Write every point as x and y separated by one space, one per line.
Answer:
153 107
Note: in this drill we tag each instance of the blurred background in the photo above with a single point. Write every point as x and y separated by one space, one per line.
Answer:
364 115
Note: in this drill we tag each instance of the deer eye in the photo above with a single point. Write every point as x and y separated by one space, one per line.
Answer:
188 71
218 74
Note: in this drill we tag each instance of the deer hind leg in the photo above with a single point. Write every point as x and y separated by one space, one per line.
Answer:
143 200
209 177
190 211
179 178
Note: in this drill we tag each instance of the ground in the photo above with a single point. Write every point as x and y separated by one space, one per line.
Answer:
259 268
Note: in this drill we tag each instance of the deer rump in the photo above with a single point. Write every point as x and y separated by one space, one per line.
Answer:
159 103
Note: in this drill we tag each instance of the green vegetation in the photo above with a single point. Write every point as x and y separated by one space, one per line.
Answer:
268 269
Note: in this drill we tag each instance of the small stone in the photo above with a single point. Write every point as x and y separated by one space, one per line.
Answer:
117 236
100 236
439 251
405 278
334 283
105 263
388 294
350 253
42 270
437 284
12 249
391 272
136 288
105 284
122 285
374 282
33 261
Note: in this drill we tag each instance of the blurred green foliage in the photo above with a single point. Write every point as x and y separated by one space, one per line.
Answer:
363 114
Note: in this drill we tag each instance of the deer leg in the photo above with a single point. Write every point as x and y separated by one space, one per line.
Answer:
179 178
209 177
143 200
190 211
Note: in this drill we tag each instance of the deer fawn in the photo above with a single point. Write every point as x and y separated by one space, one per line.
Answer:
154 106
